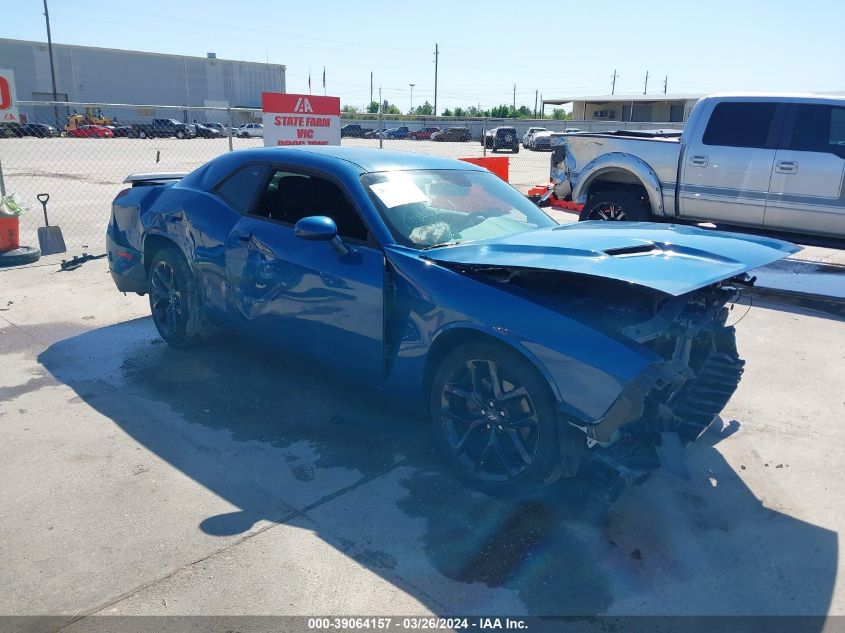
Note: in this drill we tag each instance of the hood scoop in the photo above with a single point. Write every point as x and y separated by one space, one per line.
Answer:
640 249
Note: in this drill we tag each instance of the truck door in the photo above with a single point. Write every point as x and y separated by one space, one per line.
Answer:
728 163
806 191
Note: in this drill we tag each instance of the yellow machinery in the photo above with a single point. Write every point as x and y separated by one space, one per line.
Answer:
92 116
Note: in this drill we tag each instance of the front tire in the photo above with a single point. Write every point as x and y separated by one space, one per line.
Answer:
175 299
619 206
142 134
494 419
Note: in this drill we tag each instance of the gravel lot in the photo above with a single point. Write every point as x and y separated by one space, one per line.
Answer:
228 479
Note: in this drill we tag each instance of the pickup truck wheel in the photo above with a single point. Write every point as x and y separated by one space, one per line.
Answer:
494 419
620 206
175 300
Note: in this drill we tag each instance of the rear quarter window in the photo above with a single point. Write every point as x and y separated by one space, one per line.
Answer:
240 188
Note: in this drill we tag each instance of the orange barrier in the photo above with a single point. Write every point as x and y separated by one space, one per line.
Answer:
497 164
9 228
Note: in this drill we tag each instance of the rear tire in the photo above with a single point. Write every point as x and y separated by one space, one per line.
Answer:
142 134
509 448
621 205
175 299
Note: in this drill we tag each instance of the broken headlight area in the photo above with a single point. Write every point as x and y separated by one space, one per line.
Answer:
673 402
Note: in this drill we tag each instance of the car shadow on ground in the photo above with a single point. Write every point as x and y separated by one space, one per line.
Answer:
268 432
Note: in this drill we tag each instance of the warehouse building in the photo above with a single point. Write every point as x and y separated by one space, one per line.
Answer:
86 74
630 108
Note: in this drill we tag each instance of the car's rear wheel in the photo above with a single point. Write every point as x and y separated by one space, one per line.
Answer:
619 206
494 419
175 299
142 134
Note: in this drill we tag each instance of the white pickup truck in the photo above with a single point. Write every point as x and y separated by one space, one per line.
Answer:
767 161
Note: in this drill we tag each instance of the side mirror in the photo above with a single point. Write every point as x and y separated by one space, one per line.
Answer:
319 228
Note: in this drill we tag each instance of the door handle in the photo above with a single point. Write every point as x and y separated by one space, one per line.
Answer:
787 167
699 161
245 237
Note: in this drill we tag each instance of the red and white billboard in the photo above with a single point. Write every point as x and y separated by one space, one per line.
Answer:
8 97
300 119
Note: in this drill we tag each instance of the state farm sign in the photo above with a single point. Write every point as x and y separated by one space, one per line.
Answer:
8 98
300 119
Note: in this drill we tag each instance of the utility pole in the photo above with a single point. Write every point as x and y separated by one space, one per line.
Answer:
514 99
371 88
665 84
613 84
412 97
542 107
436 59
52 67
536 92
645 87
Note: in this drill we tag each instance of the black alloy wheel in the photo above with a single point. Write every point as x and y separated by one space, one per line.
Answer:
175 300
615 206
494 418
165 299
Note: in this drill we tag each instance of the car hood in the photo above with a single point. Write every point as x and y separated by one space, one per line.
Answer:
670 258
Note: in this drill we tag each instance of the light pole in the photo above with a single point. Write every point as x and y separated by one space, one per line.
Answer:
412 97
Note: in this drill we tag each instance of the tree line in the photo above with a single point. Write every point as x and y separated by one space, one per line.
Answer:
426 109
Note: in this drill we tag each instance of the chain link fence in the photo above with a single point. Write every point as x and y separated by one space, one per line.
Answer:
80 153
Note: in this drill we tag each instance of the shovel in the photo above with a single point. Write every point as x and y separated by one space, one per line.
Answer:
49 237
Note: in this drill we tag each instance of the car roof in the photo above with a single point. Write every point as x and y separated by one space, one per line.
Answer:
327 157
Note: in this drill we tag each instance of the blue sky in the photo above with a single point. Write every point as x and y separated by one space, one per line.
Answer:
559 48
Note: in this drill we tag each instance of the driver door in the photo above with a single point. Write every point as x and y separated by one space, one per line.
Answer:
302 294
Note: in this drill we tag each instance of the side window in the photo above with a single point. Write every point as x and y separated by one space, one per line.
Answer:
818 128
740 125
239 188
291 196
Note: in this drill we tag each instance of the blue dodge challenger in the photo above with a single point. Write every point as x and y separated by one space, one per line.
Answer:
536 348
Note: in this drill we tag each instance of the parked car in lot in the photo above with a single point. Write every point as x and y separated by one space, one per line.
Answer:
423 134
500 138
372 134
124 131
352 130
538 350
164 128
770 162
224 131
542 141
91 131
396 132
526 138
19 130
250 130
452 134
204 131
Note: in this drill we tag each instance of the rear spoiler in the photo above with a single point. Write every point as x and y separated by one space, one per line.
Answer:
152 178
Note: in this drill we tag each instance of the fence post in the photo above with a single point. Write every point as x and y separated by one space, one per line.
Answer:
2 182
229 125
484 136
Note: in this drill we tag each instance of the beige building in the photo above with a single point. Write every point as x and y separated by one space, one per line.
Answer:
634 108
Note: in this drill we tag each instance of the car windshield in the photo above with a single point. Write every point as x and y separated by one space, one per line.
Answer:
429 208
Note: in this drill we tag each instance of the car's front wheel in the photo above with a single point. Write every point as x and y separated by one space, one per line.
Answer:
175 300
142 134
494 419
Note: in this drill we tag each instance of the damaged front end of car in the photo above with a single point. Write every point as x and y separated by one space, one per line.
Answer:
669 404
675 401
